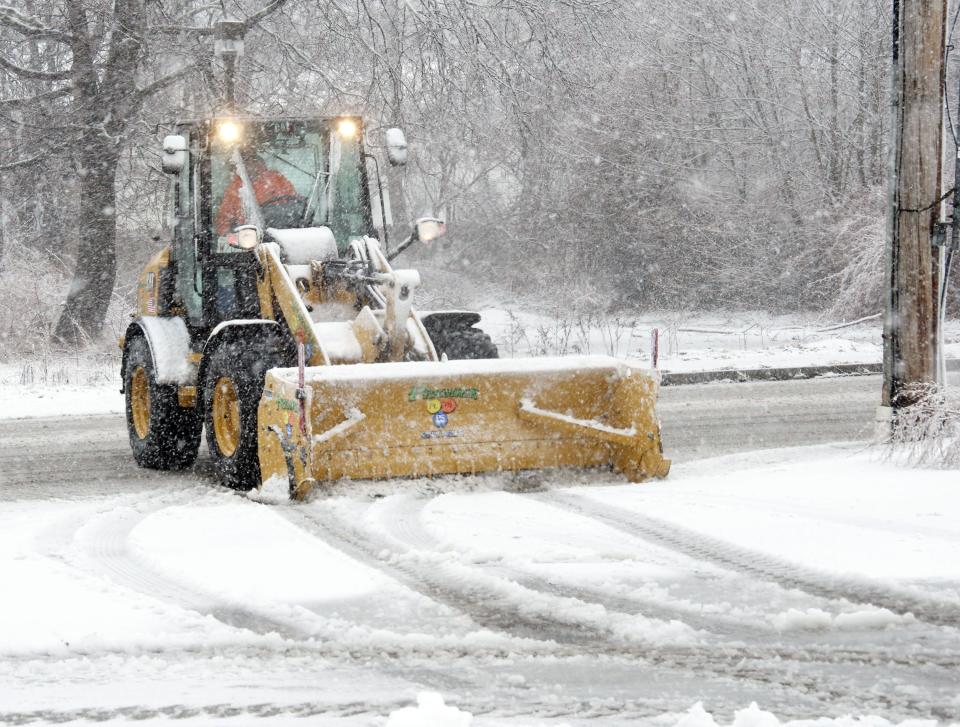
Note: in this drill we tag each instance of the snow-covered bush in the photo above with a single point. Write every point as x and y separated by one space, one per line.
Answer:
927 433
858 254
32 286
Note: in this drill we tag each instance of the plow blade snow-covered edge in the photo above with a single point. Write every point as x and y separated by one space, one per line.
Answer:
325 423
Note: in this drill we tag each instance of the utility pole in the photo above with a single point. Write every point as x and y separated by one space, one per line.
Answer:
911 320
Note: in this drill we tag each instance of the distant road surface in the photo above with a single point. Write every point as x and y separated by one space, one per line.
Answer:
89 455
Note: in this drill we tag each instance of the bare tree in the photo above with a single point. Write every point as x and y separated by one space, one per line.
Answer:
100 60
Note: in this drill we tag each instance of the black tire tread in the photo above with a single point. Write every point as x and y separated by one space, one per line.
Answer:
173 439
246 363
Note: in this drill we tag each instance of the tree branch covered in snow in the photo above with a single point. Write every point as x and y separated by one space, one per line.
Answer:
30 27
31 74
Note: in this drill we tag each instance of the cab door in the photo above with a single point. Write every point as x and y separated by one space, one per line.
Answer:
229 274
188 282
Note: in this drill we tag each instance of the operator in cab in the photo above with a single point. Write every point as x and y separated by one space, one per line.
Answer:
270 187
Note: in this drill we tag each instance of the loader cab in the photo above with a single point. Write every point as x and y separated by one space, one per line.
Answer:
299 173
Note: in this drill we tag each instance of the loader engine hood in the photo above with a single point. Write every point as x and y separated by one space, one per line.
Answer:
300 246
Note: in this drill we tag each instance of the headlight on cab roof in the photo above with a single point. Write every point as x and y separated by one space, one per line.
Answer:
229 131
347 128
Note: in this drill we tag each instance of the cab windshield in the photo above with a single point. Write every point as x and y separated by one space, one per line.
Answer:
298 174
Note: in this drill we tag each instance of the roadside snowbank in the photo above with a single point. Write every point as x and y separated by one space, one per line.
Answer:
695 342
58 385
55 401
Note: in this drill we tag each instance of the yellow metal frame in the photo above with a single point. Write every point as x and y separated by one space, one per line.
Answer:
148 284
275 286
187 396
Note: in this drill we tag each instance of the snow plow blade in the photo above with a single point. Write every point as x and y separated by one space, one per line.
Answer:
369 421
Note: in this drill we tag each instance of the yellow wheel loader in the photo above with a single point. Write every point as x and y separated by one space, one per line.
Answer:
275 321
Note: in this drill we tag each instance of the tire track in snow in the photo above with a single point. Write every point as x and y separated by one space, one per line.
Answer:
431 578
517 705
182 711
756 564
404 522
99 546
798 671
732 665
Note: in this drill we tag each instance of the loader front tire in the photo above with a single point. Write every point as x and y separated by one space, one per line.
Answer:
232 387
460 341
163 435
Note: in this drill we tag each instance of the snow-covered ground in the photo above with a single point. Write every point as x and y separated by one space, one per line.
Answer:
811 587
817 583
53 385
701 342
59 384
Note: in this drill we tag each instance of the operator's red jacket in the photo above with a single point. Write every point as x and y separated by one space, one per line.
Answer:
268 185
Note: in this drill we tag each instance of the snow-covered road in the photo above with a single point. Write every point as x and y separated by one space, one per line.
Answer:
78 456
816 582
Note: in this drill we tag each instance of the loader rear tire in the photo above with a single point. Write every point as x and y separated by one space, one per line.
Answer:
163 435
232 387
459 342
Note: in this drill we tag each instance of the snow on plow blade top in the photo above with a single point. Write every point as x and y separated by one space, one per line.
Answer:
442 417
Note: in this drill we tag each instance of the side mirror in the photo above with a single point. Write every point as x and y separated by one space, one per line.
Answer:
174 154
396 147
426 229
430 228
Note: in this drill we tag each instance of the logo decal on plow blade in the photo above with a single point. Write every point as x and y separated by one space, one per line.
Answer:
447 406
425 392
440 404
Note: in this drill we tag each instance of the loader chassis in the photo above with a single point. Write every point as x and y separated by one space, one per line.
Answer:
277 323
